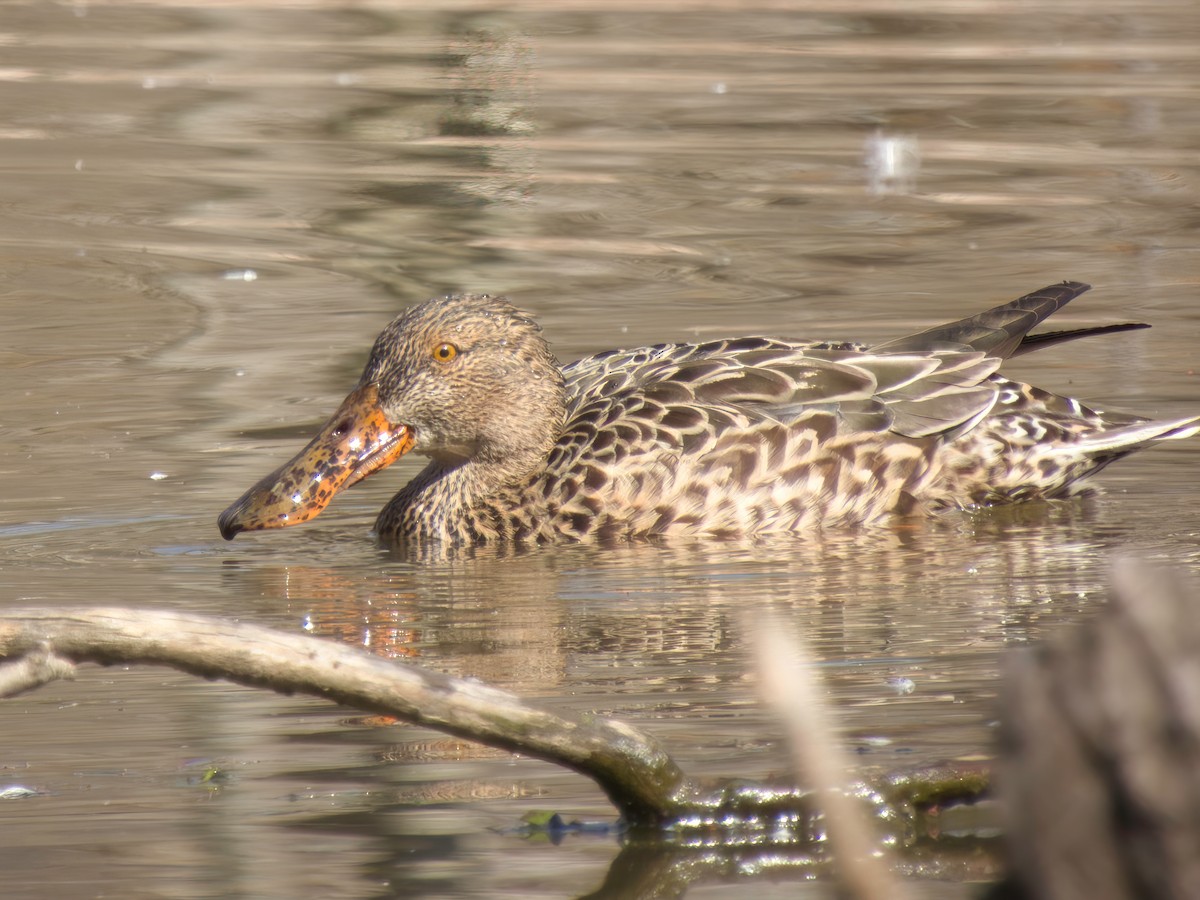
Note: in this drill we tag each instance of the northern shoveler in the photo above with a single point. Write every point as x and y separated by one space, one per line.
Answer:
735 438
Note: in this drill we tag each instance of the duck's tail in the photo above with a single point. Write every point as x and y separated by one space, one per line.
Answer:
1049 469
1044 339
1114 443
1004 330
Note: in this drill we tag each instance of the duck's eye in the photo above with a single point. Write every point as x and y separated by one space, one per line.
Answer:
445 352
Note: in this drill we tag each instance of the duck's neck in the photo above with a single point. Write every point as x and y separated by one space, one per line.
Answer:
513 438
437 505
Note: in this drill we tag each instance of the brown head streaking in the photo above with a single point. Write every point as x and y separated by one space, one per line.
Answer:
734 438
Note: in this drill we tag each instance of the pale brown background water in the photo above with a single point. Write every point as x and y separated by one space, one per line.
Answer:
207 211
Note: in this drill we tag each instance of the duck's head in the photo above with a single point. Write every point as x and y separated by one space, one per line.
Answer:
465 378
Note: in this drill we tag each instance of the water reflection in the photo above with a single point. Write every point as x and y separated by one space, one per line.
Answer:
658 630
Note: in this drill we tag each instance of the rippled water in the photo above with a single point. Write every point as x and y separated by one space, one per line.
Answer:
209 211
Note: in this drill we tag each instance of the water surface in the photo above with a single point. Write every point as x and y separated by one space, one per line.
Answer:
209 211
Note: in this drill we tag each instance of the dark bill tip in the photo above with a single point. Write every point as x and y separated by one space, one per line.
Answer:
228 524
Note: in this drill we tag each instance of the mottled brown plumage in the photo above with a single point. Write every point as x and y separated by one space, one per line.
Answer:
733 438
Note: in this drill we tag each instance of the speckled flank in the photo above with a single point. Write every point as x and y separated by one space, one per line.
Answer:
729 438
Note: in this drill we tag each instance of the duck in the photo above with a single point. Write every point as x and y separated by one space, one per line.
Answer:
733 438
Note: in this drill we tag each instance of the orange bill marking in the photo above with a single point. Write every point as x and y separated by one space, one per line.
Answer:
356 442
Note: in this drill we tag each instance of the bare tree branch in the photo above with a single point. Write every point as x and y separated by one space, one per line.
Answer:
631 768
37 667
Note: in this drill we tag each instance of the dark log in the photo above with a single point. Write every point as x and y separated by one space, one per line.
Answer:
1101 778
